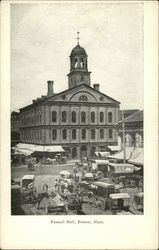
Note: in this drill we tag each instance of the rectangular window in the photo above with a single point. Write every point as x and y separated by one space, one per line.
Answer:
101 117
40 118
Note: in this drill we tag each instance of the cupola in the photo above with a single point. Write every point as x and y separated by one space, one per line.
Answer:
78 66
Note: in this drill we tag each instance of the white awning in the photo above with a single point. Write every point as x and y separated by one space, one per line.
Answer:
114 148
104 154
100 161
133 155
39 148
137 157
23 151
122 168
28 177
119 196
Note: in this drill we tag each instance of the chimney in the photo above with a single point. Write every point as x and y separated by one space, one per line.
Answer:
96 86
50 91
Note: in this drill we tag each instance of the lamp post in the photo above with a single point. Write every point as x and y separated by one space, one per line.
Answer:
123 130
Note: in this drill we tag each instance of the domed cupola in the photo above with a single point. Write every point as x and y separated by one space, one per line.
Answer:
78 50
78 66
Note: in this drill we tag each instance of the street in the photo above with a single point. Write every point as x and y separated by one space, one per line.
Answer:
47 174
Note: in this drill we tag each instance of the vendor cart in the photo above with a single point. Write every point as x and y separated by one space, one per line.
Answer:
119 202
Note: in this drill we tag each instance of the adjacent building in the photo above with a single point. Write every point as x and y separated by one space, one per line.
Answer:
81 119
15 128
133 129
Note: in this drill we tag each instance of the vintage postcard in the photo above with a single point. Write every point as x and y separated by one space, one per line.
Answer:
79 125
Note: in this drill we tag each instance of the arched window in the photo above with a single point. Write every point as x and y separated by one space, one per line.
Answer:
93 134
83 98
101 133
54 134
92 116
110 133
81 62
73 116
110 116
76 62
73 133
63 116
83 116
64 134
83 134
54 116
101 117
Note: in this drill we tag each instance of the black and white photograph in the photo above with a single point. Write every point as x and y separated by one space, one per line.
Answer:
76 110
79 125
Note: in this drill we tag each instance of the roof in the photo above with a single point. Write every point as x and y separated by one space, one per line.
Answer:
102 184
119 196
78 50
140 195
122 168
135 117
133 155
47 98
78 86
22 151
28 177
127 112
114 148
137 157
104 154
100 161
119 155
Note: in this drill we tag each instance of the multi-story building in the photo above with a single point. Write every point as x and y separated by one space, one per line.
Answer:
133 129
81 119
15 126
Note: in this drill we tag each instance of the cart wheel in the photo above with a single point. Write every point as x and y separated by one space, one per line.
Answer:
102 204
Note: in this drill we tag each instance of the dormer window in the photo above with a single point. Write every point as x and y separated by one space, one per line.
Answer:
101 98
83 98
63 97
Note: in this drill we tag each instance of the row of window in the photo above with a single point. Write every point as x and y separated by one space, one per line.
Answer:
32 119
83 116
37 135
83 134
31 135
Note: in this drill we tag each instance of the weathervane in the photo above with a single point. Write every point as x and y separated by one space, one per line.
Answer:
78 37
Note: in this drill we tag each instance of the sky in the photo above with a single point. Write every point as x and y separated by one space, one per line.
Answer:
43 35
